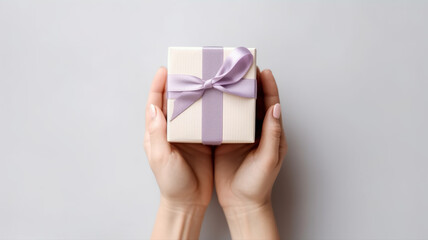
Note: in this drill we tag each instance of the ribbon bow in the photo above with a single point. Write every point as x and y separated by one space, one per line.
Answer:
228 79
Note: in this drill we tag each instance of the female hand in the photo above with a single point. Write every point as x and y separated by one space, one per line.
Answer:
245 173
184 172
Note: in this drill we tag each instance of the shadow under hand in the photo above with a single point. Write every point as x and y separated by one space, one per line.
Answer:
285 197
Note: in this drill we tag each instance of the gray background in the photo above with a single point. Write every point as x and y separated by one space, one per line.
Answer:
74 78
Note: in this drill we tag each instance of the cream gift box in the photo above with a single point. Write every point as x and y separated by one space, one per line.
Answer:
211 95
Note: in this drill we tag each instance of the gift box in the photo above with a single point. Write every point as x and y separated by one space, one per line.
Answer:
211 95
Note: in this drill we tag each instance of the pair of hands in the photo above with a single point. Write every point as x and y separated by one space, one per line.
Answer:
243 173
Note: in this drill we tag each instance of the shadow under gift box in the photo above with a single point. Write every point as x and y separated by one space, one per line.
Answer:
235 124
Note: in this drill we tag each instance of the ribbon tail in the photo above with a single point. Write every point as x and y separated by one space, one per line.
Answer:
184 101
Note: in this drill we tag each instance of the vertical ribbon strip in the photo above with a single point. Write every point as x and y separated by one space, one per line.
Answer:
212 100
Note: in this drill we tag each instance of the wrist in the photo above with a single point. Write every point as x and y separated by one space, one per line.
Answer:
177 220
182 208
251 221
245 208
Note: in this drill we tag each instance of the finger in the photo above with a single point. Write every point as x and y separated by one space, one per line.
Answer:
271 97
156 91
270 89
159 145
268 149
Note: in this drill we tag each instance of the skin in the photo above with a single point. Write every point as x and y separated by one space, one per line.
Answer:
243 173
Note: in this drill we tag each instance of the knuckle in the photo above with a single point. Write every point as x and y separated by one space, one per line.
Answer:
276 130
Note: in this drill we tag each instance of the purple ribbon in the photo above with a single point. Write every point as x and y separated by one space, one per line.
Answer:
217 77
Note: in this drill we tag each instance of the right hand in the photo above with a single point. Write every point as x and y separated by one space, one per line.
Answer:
245 173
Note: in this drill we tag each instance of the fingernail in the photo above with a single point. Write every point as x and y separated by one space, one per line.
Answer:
152 110
276 111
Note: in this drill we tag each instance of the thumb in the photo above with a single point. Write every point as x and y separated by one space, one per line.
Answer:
157 132
268 149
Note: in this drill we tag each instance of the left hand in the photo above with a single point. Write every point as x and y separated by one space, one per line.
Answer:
184 172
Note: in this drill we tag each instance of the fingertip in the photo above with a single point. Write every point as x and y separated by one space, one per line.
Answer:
270 88
157 88
267 78
267 71
162 68
162 72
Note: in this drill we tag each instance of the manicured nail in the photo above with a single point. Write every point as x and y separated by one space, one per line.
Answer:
152 110
276 111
